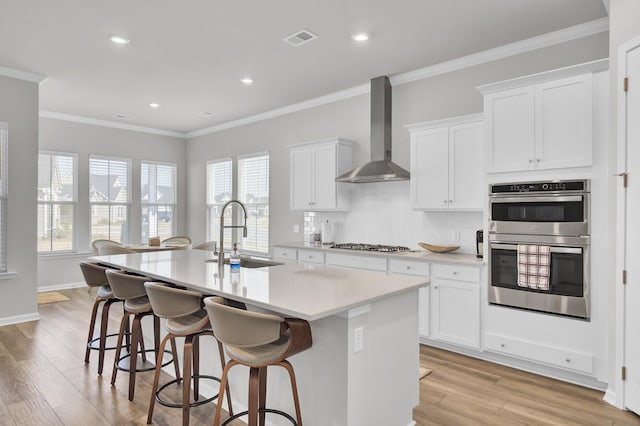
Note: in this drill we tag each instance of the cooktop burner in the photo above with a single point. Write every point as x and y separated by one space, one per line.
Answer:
370 247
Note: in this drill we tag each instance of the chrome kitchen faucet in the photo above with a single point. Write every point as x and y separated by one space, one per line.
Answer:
223 227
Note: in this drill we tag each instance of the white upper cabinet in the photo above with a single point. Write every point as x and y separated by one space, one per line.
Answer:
313 169
548 125
446 164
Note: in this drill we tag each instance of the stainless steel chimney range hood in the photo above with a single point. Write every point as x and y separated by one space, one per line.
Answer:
380 168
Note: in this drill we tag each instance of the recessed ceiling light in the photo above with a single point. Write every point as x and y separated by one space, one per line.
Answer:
360 37
247 80
154 105
119 40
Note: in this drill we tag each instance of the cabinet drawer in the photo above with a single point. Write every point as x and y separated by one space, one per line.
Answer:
359 262
558 357
284 253
409 267
455 272
310 256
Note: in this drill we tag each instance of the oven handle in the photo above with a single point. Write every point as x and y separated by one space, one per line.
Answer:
536 199
568 250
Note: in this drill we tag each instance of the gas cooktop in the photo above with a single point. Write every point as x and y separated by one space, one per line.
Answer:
370 247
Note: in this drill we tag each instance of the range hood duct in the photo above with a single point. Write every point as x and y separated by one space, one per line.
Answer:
380 168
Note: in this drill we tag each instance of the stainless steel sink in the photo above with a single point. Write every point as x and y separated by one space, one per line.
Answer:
248 262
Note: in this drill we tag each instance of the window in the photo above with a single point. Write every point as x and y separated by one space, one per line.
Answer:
158 198
219 191
57 197
109 198
4 141
253 191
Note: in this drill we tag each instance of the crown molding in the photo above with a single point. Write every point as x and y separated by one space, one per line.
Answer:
507 50
300 106
451 121
22 75
105 123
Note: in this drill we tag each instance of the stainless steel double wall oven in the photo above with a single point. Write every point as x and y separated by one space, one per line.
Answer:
550 213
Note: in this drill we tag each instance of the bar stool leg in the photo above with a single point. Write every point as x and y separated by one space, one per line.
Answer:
123 323
186 380
174 351
104 321
294 388
254 394
196 367
262 397
156 376
92 326
223 385
136 339
223 363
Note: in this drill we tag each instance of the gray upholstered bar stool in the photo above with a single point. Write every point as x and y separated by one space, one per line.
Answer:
94 276
186 318
257 341
130 288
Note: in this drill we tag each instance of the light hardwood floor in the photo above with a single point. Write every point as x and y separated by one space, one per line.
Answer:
44 381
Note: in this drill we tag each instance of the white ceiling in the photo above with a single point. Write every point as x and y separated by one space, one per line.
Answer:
189 56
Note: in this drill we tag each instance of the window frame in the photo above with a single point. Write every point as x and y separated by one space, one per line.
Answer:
4 201
248 205
174 206
127 204
74 204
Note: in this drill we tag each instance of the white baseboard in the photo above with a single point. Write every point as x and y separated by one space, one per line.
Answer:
610 397
58 287
412 423
35 316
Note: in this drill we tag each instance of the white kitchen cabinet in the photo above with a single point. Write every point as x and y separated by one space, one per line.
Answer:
355 261
285 253
446 164
455 305
540 126
313 169
416 268
310 256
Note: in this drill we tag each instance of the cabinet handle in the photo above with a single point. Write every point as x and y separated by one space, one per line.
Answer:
530 161
408 268
284 254
502 345
537 160
445 201
435 288
451 201
568 360
455 273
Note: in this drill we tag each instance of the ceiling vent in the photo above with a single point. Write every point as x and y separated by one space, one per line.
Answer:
299 38
122 117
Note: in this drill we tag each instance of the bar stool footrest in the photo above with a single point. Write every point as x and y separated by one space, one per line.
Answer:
261 410
191 404
91 345
124 366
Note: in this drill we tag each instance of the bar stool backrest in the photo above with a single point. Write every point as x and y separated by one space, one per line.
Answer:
241 328
94 274
126 286
97 244
207 245
109 250
171 302
179 240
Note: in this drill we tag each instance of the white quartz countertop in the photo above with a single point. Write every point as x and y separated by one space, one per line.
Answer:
298 290
422 255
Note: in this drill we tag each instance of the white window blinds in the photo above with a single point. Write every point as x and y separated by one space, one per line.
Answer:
57 197
109 196
158 198
253 191
4 141
219 191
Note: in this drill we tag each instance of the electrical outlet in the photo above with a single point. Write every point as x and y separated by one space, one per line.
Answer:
358 339
296 229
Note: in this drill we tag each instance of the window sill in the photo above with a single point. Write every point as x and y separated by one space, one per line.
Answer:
69 255
7 275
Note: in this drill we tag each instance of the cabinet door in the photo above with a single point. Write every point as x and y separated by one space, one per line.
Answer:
324 177
301 179
455 307
423 312
564 135
429 169
509 120
466 166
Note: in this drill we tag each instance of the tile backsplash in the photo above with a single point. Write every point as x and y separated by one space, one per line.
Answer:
381 214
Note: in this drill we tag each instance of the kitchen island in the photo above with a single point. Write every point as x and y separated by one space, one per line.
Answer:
362 368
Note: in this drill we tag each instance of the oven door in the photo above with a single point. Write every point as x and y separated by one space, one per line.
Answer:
540 214
568 292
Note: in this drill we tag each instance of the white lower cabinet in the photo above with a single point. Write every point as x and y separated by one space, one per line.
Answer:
357 262
285 253
411 267
455 305
310 256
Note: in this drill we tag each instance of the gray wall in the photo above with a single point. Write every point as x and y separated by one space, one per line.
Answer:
19 108
84 139
442 96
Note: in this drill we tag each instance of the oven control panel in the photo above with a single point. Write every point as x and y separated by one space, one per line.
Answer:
550 186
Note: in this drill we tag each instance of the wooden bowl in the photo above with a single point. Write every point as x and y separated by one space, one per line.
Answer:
438 249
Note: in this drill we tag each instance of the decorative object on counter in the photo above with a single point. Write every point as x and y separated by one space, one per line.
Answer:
370 247
479 241
315 237
438 249
154 241
327 232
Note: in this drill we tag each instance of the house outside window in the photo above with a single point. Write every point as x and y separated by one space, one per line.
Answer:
253 192
219 191
109 198
57 199
158 199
